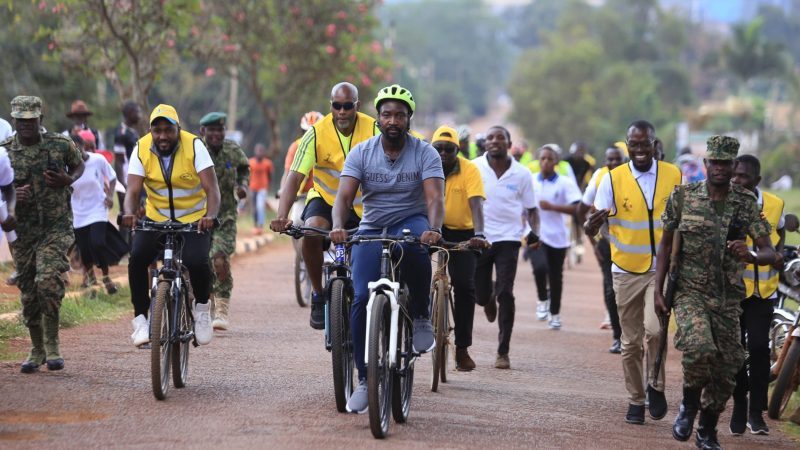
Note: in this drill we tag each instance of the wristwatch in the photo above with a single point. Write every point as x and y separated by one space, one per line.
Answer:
480 235
435 230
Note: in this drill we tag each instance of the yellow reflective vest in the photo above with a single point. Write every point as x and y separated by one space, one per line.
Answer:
331 154
765 282
634 229
179 196
603 170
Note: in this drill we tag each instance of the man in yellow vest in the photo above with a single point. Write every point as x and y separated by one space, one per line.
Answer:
631 200
761 286
177 173
324 148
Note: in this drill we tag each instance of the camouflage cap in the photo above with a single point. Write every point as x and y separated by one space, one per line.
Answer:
213 118
26 107
722 148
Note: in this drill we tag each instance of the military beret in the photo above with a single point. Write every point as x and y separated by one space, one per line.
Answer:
722 148
26 107
213 118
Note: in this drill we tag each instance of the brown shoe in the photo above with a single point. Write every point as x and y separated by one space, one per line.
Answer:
463 362
502 361
491 310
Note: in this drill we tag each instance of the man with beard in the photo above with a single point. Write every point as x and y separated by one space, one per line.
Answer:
402 182
713 218
630 200
323 149
43 224
175 169
233 174
509 190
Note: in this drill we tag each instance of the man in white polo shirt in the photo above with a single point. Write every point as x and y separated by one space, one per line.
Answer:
509 191
631 200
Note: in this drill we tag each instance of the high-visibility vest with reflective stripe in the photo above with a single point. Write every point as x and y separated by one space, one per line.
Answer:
603 170
766 283
180 196
635 230
331 155
562 168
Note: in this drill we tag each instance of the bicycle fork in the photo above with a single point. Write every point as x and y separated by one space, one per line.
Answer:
390 289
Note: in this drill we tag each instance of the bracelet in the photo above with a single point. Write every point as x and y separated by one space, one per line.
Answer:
435 230
480 235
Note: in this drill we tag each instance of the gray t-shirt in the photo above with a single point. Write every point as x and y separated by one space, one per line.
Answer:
392 191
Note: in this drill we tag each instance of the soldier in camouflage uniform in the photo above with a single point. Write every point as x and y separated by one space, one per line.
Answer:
44 231
233 173
713 218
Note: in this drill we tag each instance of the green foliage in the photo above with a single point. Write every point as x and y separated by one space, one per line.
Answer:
749 55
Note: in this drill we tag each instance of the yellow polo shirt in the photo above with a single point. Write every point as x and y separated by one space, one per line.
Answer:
463 183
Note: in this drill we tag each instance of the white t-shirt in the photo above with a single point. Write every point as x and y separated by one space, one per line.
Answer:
591 189
5 130
202 159
558 190
506 198
646 182
88 192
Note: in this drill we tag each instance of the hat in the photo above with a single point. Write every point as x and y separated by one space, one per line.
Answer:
26 107
445 134
722 148
166 111
213 118
86 135
79 108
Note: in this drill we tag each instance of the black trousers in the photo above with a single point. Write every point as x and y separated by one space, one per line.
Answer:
755 321
604 248
502 257
100 244
462 277
548 271
147 247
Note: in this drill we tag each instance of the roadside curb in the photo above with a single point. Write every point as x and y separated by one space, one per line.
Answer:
243 246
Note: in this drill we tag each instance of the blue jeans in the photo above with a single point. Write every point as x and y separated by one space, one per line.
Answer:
260 207
416 272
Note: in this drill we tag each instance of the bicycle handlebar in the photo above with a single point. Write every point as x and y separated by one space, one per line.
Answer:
299 232
166 226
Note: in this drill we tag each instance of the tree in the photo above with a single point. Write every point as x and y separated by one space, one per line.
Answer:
748 55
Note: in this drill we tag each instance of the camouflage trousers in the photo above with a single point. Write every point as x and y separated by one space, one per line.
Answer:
710 338
223 245
40 261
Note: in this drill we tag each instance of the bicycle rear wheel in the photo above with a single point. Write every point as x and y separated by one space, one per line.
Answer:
403 375
448 307
160 345
439 321
341 344
180 354
302 284
379 379
787 382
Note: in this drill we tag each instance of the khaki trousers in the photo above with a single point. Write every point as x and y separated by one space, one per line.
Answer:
640 327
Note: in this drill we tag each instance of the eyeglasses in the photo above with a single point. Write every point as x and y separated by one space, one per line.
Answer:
641 144
445 148
347 105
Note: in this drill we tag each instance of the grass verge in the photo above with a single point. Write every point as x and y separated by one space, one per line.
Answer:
92 306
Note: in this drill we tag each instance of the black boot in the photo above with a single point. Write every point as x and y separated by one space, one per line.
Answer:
684 422
707 431
739 417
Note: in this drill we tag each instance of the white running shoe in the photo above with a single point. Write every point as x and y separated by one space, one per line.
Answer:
203 330
141 330
555 322
543 310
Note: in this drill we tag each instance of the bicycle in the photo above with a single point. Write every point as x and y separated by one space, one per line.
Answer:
171 319
338 301
389 353
441 308
302 284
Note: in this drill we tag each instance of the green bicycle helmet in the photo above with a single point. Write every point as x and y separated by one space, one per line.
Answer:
396 92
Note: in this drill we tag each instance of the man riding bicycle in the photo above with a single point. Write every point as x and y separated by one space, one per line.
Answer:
177 173
324 148
402 182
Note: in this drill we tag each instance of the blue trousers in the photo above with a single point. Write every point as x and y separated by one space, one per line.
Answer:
416 272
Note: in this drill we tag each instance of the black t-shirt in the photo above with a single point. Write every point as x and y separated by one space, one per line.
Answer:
579 166
125 139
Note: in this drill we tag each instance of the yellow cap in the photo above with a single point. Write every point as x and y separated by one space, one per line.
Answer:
445 134
166 111
622 146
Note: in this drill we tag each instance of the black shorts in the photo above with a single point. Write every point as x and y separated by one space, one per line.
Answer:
317 207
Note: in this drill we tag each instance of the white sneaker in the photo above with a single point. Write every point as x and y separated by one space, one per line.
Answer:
141 330
203 330
555 322
543 310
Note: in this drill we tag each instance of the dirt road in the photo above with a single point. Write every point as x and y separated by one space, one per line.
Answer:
266 384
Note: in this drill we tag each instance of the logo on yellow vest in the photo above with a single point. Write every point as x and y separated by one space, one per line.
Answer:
626 204
186 177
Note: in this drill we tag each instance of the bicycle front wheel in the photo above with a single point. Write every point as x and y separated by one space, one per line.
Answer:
180 355
160 345
302 284
787 382
379 377
403 375
439 321
341 344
